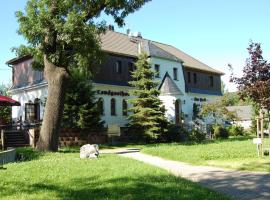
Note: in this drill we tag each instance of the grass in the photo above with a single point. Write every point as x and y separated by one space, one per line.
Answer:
64 175
235 153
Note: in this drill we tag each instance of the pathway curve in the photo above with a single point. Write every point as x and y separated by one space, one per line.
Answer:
238 184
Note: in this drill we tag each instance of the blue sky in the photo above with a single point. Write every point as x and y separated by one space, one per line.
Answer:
216 32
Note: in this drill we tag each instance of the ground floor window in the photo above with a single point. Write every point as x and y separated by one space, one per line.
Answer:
177 105
100 105
113 107
32 111
124 107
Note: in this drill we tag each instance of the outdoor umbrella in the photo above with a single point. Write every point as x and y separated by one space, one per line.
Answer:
6 101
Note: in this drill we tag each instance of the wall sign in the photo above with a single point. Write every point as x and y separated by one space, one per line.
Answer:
200 99
112 93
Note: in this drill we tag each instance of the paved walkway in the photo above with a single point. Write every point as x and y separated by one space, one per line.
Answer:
237 184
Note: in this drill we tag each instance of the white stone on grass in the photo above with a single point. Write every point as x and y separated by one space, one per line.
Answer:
89 151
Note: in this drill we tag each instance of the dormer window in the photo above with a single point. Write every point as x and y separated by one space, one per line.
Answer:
118 67
175 74
157 71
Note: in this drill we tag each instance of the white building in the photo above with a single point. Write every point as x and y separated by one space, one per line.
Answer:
183 80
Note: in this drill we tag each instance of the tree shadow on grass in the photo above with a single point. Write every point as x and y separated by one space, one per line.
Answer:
143 187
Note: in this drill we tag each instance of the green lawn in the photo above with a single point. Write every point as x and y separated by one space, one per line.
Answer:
65 176
237 153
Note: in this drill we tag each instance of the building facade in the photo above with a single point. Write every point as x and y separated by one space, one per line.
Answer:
184 81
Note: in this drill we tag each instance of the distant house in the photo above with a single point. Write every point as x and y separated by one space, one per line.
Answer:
244 115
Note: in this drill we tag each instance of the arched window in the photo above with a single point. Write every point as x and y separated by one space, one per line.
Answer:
113 107
100 105
124 107
177 111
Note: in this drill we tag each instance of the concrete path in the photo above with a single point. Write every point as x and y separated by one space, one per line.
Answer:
237 184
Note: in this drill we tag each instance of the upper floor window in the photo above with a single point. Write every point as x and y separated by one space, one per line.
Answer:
113 107
195 78
189 77
175 74
124 107
118 67
211 81
157 71
130 68
100 105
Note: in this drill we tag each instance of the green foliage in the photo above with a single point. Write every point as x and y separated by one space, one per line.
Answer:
27 154
236 130
175 133
5 111
80 108
67 32
220 132
218 110
148 114
196 136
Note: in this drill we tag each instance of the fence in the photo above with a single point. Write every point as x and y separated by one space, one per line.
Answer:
7 156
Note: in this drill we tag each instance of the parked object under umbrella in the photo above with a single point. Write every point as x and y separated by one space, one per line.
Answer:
6 101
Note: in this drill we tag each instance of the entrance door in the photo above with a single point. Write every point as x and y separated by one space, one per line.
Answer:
177 111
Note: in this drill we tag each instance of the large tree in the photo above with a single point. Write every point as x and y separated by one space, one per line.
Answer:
148 113
63 35
255 82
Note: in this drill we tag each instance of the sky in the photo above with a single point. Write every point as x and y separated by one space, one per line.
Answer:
216 32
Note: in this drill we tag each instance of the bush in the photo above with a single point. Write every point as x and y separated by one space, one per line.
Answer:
220 132
196 136
236 130
175 133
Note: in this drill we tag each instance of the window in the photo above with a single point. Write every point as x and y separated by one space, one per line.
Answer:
100 105
32 111
211 81
189 77
124 107
113 107
195 78
118 67
175 73
177 105
157 71
29 112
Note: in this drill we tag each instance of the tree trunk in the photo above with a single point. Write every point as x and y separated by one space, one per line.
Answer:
57 78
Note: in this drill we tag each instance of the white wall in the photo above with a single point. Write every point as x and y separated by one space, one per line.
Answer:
119 118
167 66
24 96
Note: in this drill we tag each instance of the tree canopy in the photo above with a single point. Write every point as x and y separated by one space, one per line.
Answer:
255 82
148 114
63 35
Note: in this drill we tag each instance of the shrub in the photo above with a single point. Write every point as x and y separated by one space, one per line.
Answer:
196 136
236 130
175 133
220 132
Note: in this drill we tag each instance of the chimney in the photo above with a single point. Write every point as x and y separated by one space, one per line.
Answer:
111 27
128 31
